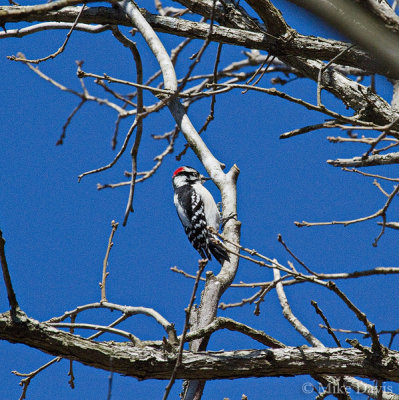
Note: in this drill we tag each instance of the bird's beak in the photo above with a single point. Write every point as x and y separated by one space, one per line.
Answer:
204 178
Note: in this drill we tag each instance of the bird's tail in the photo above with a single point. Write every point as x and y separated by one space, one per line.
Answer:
218 250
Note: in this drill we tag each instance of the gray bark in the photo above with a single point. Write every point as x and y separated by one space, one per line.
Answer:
156 363
310 47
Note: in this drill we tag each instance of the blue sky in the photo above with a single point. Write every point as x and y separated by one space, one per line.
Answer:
57 229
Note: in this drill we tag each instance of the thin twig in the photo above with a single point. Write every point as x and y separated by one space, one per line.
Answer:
135 148
355 139
127 311
198 56
262 72
280 240
68 121
145 174
12 299
264 291
259 69
135 340
26 381
211 114
105 262
116 158
28 30
71 380
249 300
392 225
323 317
201 265
84 95
364 333
370 175
308 128
226 87
376 346
126 99
385 131
322 70
154 90
380 213
59 51
378 185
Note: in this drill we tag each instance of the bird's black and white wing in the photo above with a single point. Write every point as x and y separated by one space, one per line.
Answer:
190 210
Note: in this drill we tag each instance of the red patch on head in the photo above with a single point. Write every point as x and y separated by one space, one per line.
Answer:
177 171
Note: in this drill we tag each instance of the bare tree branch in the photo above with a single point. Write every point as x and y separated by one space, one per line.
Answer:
151 363
356 23
114 226
300 45
12 299
377 159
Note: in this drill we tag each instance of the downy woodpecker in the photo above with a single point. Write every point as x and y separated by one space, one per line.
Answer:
197 210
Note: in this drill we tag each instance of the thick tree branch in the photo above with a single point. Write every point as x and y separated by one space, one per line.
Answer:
152 363
310 47
360 26
271 16
383 11
227 12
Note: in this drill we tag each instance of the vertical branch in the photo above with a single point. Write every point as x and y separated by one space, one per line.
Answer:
105 262
12 299
202 265
395 95
139 77
215 285
211 115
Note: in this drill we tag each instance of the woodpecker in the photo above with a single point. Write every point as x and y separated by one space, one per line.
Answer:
197 210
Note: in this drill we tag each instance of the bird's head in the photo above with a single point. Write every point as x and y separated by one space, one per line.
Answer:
187 176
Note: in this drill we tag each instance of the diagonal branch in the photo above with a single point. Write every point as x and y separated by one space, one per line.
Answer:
362 27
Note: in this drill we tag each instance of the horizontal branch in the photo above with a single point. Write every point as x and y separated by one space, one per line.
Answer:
392 225
309 47
154 363
29 30
376 159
